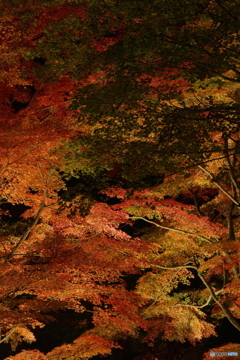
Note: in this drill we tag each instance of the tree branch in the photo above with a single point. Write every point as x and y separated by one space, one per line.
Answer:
233 320
218 185
172 229
205 304
25 235
231 169
226 10
8 335
196 203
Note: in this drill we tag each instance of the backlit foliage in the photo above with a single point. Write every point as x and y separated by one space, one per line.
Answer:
139 102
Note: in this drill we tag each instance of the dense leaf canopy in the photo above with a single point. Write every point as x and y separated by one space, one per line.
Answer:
119 171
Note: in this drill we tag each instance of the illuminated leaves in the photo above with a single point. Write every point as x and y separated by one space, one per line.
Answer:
137 111
28 355
83 347
187 324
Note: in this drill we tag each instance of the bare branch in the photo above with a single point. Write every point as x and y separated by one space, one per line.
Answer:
25 235
218 185
172 229
8 335
204 305
233 320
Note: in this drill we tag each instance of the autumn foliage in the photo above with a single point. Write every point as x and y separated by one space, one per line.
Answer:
147 241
